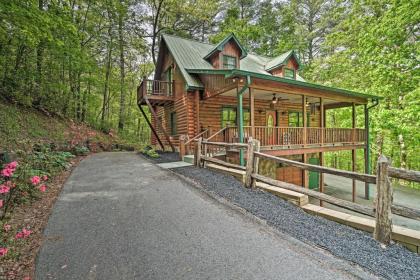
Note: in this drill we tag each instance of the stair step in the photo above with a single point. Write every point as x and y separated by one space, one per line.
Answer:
189 159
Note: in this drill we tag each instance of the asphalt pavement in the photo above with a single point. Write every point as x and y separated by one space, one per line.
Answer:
120 216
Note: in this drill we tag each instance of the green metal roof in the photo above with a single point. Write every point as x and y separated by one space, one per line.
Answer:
219 47
189 57
282 60
236 72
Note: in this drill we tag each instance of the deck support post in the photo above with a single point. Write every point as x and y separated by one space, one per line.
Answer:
304 141
240 120
321 119
367 151
383 214
353 151
321 177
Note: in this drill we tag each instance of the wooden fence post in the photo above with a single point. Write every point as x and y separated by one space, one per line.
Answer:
255 163
249 162
198 152
383 224
205 154
182 146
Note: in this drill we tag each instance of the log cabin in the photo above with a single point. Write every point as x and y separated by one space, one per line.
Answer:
224 93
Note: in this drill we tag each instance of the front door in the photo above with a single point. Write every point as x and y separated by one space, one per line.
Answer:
313 175
271 123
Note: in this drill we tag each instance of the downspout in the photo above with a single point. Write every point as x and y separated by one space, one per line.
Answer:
241 117
367 163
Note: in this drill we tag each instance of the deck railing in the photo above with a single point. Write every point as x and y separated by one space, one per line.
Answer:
287 136
156 88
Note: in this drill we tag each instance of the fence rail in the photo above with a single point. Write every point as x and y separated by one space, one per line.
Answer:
382 209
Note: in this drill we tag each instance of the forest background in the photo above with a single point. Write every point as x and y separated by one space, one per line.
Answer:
83 59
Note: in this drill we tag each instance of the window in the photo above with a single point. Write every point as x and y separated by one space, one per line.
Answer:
172 119
229 62
169 77
229 116
295 119
289 73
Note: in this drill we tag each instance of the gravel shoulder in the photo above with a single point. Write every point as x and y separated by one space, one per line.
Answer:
392 262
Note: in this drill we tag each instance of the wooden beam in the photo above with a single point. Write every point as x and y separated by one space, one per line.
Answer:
159 124
404 174
321 119
287 151
152 128
366 210
338 105
317 168
237 145
223 163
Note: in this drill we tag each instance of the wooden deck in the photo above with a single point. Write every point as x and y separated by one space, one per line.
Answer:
157 92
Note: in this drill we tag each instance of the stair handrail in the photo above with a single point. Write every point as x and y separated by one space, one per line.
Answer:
196 137
218 132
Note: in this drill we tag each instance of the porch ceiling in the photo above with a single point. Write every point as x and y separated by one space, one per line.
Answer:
285 97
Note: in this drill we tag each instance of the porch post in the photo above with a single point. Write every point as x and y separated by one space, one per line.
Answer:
240 125
197 112
304 119
353 151
252 112
366 150
304 140
321 119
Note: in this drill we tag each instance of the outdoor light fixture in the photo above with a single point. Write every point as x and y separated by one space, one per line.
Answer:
274 100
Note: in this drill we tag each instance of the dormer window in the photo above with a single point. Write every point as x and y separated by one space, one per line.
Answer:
289 73
229 62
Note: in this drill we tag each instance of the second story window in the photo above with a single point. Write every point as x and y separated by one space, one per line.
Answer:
289 73
229 62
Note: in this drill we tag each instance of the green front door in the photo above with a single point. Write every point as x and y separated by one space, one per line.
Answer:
313 175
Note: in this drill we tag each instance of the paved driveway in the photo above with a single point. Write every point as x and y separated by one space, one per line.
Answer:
121 217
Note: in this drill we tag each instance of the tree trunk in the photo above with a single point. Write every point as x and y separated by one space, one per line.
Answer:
121 119
107 74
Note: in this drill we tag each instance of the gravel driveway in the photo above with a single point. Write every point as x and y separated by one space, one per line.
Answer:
393 262
121 217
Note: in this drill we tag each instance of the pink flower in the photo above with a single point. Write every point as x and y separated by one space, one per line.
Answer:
4 189
44 178
3 251
23 234
35 180
1 203
27 278
12 165
7 172
7 227
43 188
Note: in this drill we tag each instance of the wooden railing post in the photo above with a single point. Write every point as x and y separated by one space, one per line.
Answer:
255 163
182 146
205 154
383 224
197 157
249 162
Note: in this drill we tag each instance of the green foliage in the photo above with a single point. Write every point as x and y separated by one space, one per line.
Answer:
149 151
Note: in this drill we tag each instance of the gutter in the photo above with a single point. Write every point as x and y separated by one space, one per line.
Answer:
240 117
368 168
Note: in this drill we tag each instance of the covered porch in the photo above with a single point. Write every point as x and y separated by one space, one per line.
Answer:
280 116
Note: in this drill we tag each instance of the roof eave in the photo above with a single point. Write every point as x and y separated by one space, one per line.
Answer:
237 72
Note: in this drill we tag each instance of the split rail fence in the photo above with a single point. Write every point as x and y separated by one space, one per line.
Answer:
383 206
